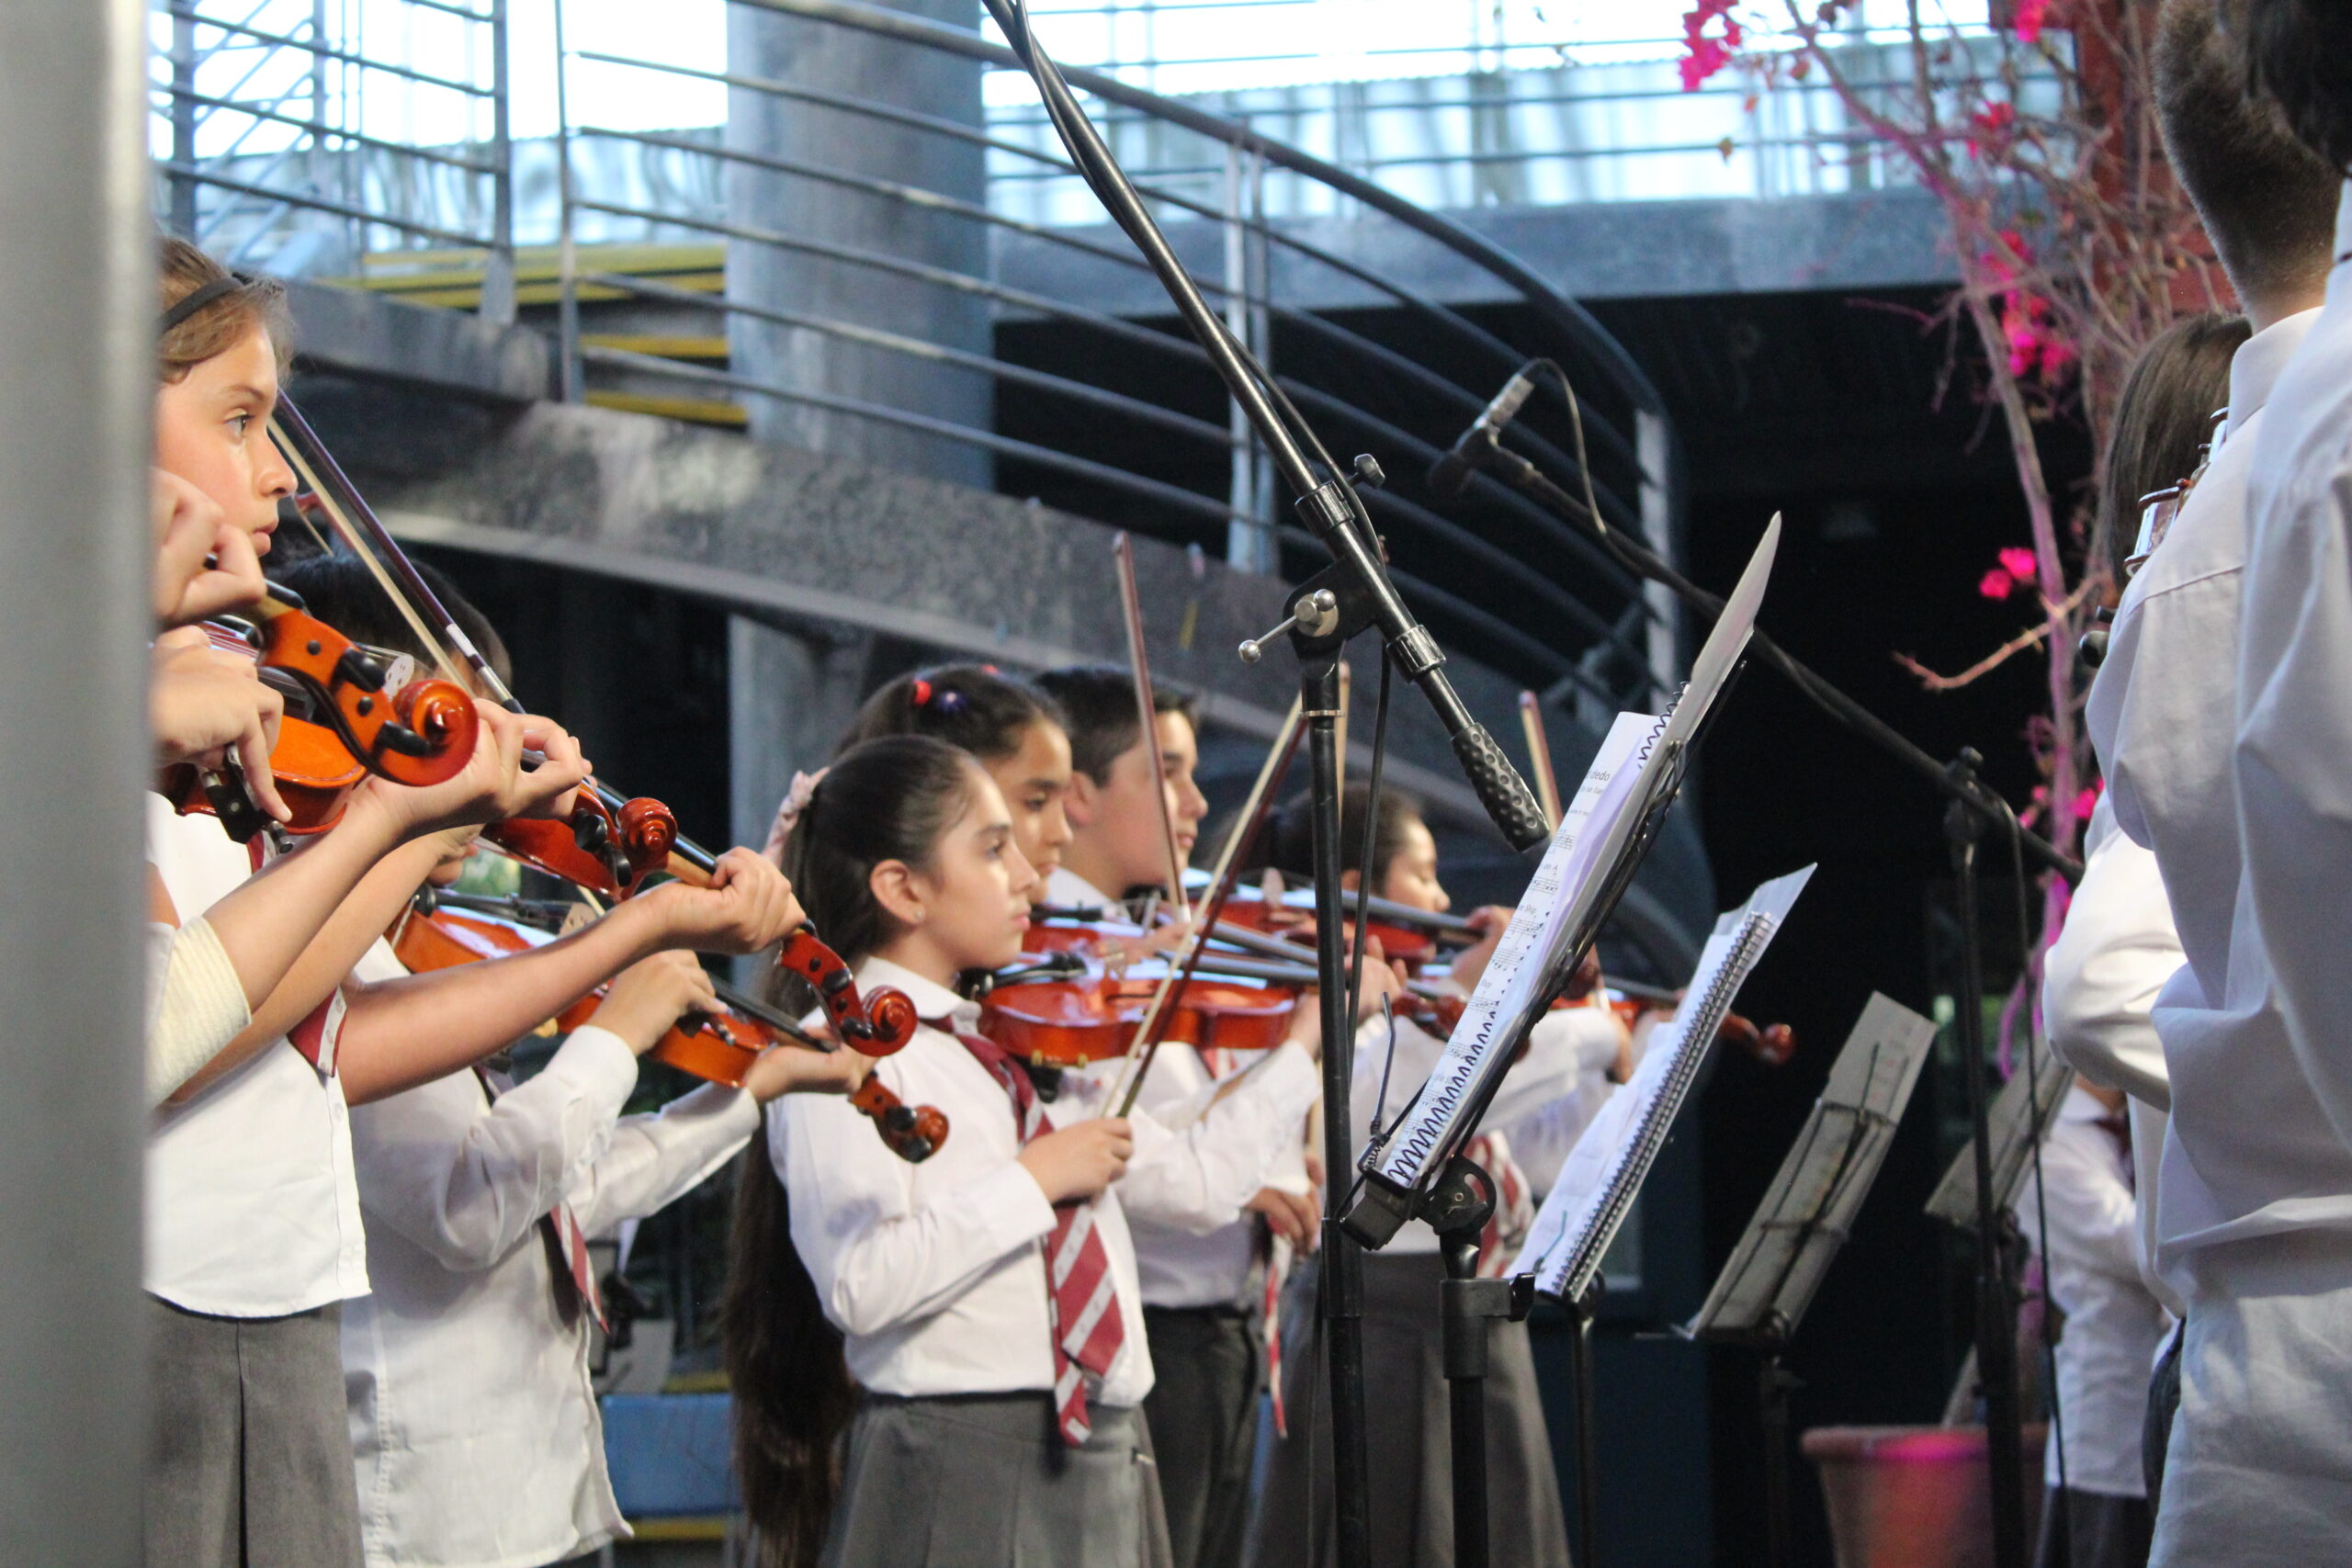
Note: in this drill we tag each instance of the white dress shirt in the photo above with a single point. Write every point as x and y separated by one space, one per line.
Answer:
935 1272
474 1428
2262 1105
1552 1072
2113 1324
252 1210
2099 982
2246 1154
1229 1138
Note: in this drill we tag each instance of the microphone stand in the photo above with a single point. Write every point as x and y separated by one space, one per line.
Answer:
1972 809
1351 594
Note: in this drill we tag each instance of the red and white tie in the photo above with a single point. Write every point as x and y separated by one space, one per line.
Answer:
1088 1327
574 1271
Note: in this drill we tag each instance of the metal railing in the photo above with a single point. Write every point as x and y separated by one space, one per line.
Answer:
274 135
1572 620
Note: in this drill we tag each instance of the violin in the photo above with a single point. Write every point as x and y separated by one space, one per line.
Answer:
447 929
340 723
1070 1014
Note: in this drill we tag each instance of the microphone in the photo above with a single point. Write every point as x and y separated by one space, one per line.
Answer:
1451 473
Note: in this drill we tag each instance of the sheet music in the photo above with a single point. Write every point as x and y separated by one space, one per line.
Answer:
1633 779
2010 1119
1808 1211
1605 1170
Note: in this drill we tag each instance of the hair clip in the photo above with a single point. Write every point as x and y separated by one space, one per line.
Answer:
951 701
789 814
921 693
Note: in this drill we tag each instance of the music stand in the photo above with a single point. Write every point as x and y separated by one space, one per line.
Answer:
1804 1217
2019 1119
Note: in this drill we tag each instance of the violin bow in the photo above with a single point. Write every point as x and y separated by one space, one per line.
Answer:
356 522
1146 1042
364 534
1539 753
1123 551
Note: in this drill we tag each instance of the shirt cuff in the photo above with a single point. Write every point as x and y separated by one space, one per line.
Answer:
1011 1206
599 1061
734 1110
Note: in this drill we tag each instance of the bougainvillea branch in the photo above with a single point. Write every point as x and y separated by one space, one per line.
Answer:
2072 243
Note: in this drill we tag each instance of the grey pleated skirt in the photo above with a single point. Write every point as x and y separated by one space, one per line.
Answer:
1408 1437
980 1481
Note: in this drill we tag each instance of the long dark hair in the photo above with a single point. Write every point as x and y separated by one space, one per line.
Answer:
976 706
2162 417
887 799
1291 841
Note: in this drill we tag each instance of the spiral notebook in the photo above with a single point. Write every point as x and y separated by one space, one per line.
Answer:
1608 826
1605 1170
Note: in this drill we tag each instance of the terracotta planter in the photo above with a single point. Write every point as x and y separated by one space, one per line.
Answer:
1914 1496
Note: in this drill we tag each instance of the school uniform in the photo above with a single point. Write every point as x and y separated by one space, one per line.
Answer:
1065 889
1204 1289
2255 1195
1407 1440
2112 1328
935 1274
253 1244
474 1427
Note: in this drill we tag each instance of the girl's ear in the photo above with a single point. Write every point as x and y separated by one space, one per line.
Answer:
1083 799
899 890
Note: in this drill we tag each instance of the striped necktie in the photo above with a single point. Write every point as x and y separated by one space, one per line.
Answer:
573 1270
1514 1214
1088 1326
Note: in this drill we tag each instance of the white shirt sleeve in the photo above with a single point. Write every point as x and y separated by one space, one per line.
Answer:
2093 1221
2116 951
879 1260
469 1191
2294 766
652 1160
195 1004
1196 1165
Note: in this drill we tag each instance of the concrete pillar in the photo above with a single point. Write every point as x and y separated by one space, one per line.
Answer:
844 61
77 354
789 697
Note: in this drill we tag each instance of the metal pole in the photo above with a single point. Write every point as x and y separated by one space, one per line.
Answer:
78 314
183 202
1996 1328
573 376
1342 1259
498 270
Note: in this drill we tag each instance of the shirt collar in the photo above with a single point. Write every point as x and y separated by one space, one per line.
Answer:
2255 367
932 1000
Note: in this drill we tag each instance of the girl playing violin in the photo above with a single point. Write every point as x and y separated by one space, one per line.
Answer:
253 1232
474 1426
1411 1492
1012 727
985 1301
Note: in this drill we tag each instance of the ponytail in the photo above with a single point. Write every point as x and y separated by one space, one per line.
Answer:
792 1391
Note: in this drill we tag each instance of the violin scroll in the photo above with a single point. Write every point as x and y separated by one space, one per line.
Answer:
913 1132
879 1025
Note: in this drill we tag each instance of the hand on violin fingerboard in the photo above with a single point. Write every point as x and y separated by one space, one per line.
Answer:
1471 964
203 566
747 906
492 787
650 995
795 1069
203 703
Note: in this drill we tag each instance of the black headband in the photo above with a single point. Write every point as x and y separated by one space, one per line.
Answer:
196 298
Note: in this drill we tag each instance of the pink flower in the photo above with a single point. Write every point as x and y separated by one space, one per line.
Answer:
2085 803
1706 54
1996 584
2018 562
2028 19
